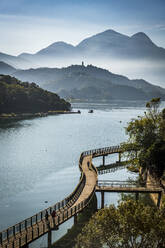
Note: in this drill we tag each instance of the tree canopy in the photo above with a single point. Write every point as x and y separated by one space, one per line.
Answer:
24 97
147 136
130 225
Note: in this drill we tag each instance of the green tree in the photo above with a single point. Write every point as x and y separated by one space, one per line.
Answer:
147 136
130 225
23 97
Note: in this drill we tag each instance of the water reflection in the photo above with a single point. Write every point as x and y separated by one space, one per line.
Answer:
6 124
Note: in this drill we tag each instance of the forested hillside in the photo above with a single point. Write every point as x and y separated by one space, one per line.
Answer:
91 83
24 97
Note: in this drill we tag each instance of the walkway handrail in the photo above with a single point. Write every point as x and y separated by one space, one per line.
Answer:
68 213
29 222
18 227
118 183
101 151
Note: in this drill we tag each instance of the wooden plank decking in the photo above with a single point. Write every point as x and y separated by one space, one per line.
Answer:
128 189
29 234
23 233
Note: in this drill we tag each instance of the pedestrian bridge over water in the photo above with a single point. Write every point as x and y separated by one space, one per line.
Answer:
25 232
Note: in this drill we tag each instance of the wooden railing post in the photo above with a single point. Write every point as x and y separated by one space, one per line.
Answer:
137 196
159 199
1 238
38 230
102 199
103 160
58 219
75 219
19 241
43 227
26 224
13 244
7 233
32 233
25 246
26 239
119 156
49 239
31 221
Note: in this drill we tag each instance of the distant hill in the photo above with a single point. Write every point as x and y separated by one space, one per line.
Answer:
90 82
112 43
23 97
104 44
57 49
6 69
134 56
15 61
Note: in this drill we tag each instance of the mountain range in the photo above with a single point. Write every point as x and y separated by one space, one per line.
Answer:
88 82
106 44
134 56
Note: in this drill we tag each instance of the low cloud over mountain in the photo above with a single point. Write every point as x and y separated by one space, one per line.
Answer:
90 82
135 56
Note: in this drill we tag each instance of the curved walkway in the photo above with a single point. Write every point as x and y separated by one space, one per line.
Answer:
91 179
25 232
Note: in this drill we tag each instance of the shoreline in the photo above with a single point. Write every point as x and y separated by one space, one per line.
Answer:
13 116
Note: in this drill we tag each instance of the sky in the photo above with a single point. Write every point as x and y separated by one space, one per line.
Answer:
30 25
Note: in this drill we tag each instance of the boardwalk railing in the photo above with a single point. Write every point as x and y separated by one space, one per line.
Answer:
29 222
63 208
123 184
102 151
110 168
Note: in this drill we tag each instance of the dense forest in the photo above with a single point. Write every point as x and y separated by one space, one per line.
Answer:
24 97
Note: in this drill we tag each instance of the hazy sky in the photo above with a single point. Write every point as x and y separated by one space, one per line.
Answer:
30 25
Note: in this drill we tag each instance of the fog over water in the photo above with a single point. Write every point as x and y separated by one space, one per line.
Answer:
153 72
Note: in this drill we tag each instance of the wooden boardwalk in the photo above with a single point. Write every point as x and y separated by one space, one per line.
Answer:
91 179
31 229
127 187
25 232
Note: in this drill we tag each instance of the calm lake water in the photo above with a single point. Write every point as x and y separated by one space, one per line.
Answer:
39 157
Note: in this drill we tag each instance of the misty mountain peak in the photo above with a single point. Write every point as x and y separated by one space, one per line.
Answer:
111 32
102 40
142 37
56 47
106 46
59 44
5 68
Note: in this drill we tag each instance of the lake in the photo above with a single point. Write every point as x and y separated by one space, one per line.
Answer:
39 157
